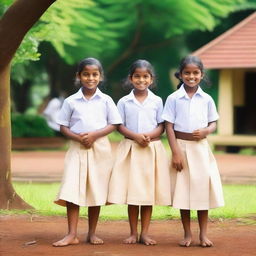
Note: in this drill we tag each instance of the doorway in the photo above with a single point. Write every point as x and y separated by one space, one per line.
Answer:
245 116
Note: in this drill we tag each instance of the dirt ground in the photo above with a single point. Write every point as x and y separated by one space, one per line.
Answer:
27 236
231 238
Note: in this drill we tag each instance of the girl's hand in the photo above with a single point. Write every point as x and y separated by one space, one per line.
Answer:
177 162
200 133
142 140
147 138
88 139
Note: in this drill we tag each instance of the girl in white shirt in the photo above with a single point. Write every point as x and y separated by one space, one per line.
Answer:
141 176
86 117
190 116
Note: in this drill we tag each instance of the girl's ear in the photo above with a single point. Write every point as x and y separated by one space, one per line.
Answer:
152 81
178 75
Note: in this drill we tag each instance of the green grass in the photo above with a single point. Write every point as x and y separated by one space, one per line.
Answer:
239 202
115 136
248 151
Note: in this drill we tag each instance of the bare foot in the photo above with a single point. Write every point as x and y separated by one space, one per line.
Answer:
132 239
67 240
205 242
147 240
186 242
93 239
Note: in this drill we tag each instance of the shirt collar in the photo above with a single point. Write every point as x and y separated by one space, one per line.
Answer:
80 94
182 92
131 95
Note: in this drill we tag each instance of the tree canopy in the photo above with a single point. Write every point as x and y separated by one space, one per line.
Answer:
105 28
116 32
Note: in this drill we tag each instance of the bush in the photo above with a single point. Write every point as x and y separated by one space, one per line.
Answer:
30 126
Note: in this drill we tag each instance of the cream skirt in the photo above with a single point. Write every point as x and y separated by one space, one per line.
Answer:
198 185
141 176
86 174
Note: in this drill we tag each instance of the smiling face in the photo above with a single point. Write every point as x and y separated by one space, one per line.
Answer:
141 79
90 77
191 75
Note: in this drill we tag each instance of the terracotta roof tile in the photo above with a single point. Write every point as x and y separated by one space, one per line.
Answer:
236 48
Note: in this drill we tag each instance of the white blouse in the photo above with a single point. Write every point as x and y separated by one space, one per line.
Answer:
189 114
86 115
141 117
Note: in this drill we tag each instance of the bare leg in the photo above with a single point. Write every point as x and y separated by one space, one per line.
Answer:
71 237
93 216
146 212
133 213
203 221
185 218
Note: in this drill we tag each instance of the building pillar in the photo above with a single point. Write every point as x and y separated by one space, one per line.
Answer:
239 91
225 103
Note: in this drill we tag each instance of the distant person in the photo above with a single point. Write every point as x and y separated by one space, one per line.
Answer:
141 175
51 113
190 116
86 117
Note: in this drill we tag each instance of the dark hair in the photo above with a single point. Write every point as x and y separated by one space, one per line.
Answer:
89 62
191 59
140 64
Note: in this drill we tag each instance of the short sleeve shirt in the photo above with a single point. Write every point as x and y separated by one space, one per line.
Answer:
141 117
86 115
189 114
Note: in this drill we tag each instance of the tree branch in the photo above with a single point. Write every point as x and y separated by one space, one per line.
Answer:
16 22
131 48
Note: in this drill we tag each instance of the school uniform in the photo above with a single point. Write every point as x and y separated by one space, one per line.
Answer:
87 171
141 175
198 185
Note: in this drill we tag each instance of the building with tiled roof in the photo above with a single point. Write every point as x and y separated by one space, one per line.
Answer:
234 54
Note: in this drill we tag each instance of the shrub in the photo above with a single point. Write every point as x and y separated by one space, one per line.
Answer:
30 126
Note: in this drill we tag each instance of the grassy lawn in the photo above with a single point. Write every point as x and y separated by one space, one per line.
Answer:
239 202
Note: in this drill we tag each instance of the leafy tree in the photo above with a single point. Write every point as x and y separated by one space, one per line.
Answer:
163 41
119 31
14 24
67 32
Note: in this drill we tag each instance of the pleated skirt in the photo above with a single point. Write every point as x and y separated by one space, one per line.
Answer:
86 174
141 175
198 185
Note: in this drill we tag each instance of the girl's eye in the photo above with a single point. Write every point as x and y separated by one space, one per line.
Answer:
88 74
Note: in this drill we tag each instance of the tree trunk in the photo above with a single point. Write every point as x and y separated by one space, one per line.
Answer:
15 23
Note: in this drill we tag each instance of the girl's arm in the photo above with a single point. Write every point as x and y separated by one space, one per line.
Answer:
177 161
202 133
69 134
157 132
89 138
141 139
